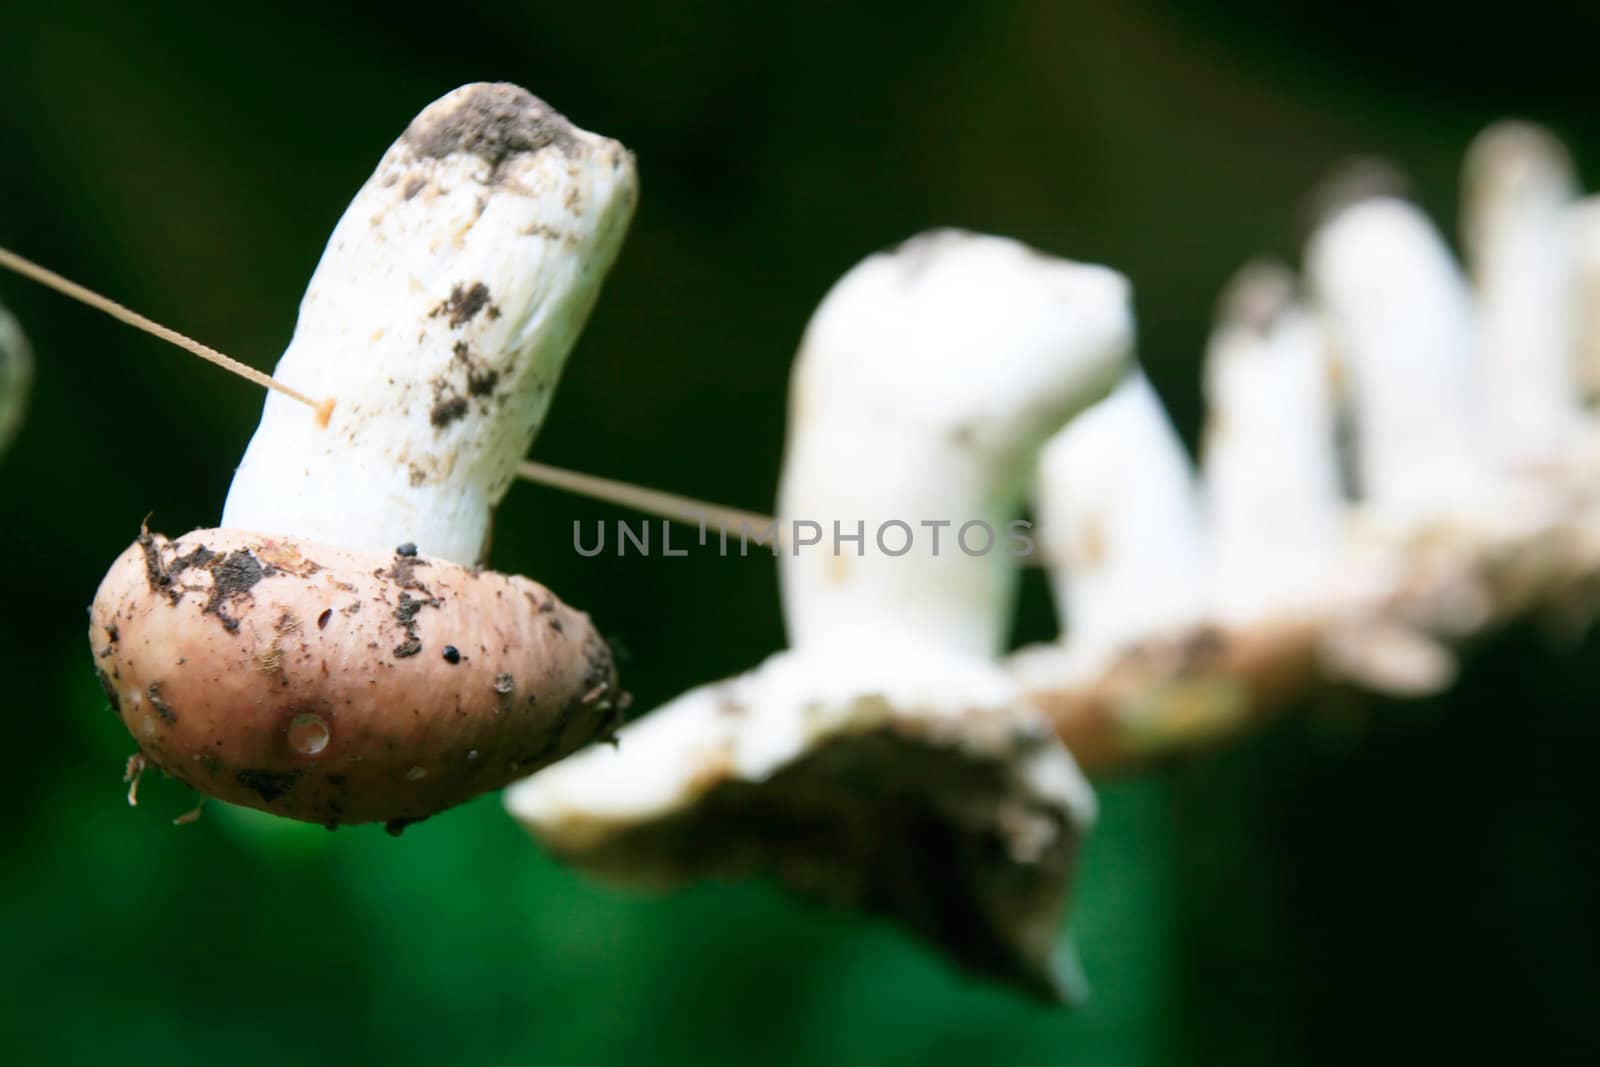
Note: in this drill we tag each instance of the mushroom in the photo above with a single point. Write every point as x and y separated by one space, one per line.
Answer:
1126 541
1132 565
1473 498
926 383
1269 466
887 738
334 653
16 378
1518 188
1194 604
1401 318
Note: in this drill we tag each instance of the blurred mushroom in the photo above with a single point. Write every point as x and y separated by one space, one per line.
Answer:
1474 499
1120 523
16 378
1132 567
334 653
1518 189
925 385
886 761
1401 319
1269 464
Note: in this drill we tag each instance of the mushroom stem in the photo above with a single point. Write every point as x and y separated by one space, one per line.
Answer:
441 314
1400 314
1120 523
1517 190
1270 469
925 384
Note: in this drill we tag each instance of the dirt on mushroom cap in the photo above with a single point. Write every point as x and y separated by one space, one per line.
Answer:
314 682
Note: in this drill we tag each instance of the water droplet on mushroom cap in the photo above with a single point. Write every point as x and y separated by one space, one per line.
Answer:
308 735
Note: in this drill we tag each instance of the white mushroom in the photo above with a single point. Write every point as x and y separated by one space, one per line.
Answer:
1518 188
1269 463
925 382
1121 527
1469 510
334 654
1400 315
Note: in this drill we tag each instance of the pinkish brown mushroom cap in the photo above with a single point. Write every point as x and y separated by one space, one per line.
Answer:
339 685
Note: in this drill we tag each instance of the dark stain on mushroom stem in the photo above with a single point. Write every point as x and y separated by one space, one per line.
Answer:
494 122
463 304
467 377
482 383
268 785
447 410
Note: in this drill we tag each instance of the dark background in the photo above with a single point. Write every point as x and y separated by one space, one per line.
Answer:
1374 881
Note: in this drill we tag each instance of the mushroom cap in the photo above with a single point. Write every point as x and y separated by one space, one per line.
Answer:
849 778
339 685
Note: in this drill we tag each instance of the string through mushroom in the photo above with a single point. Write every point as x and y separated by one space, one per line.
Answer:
65 286
671 506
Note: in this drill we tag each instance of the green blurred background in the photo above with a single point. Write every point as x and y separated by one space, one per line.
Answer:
1364 881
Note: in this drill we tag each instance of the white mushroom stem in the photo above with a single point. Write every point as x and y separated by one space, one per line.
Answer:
1518 188
1120 523
925 383
1584 224
438 320
1269 462
16 377
1400 314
